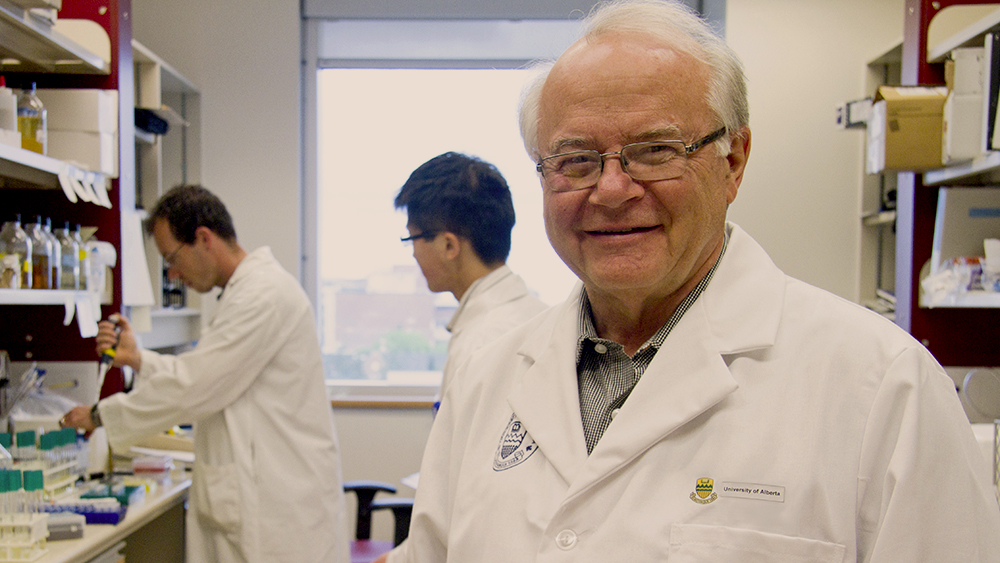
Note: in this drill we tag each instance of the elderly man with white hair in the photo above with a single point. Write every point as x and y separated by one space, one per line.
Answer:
689 402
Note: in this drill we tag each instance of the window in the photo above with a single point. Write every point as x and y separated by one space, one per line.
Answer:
380 325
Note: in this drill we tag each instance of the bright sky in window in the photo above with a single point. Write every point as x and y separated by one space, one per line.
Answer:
377 125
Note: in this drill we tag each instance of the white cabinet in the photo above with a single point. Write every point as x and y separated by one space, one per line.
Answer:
162 162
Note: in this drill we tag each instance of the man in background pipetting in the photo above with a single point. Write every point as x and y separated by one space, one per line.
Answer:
267 483
689 401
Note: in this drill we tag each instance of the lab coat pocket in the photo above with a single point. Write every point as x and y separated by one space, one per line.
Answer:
216 497
690 543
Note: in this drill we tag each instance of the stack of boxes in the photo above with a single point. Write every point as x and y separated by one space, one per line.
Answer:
904 131
963 128
83 127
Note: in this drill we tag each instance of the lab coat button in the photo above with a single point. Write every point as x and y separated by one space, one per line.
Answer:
600 348
614 413
566 539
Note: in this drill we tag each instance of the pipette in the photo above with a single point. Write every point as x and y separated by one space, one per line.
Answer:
107 358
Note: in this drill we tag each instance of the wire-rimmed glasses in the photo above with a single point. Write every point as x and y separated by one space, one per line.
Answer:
644 162
168 260
428 235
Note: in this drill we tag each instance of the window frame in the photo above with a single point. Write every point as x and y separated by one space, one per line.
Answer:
327 42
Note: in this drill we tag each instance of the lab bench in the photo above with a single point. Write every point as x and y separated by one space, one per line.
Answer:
152 530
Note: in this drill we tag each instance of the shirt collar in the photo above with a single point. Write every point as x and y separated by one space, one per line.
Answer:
588 331
482 284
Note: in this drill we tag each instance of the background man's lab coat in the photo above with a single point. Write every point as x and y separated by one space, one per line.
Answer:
267 480
494 304
777 423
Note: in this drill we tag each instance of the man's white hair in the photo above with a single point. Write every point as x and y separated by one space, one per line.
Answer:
674 24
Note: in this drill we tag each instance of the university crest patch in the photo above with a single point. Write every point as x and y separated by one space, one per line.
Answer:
515 446
703 491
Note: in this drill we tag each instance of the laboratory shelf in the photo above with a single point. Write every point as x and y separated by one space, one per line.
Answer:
970 36
32 41
981 170
30 167
172 327
968 300
879 218
20 168
40 296
65 297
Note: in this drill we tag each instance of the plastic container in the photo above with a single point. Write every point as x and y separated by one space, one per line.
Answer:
84 258
55 258
41 255
69 253
31 121
14 241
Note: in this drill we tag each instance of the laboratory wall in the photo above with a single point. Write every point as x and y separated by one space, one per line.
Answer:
799 197
800 194
243 56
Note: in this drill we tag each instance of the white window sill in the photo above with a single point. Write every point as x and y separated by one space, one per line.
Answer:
380 394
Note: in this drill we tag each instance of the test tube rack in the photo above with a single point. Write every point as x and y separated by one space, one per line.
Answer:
94 511
22 537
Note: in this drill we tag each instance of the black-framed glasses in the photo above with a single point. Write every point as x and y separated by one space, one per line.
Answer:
643 162
168 260
429 235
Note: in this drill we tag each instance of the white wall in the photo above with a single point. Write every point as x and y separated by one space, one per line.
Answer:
244 57
799 198
800 195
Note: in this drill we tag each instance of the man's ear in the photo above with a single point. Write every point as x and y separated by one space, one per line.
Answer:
204 234
739 153
452 245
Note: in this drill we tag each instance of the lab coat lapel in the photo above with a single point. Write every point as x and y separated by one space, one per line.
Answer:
546 398
739 311
687 377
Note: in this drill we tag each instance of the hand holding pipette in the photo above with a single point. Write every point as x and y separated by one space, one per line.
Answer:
116 344
107 358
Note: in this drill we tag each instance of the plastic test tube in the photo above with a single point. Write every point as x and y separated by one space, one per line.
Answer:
26 445
33 484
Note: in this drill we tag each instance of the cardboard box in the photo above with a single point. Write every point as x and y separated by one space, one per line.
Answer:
962 128
94 111
905 129
94 151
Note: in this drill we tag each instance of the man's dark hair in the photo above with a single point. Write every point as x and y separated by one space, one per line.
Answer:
463 195
187 207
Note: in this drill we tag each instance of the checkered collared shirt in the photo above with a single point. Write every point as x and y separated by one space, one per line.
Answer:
606 374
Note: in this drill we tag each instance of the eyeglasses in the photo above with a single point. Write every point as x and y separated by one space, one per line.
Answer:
643 162
429 235
168 260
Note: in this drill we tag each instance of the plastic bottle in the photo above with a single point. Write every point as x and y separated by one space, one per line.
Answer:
17 243
55 259
84 259
70 255
41 255
31 121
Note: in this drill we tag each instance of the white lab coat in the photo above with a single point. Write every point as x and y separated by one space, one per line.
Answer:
828 434
267 480
493 304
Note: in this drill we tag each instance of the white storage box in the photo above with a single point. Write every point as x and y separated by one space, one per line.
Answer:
962 129
965 73
94 111
94 151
